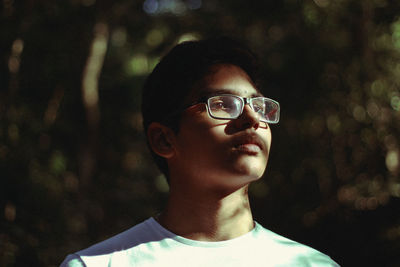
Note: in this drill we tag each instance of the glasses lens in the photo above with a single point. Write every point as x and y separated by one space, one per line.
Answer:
267 108
224 107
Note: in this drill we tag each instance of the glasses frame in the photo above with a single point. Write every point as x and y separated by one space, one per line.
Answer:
244 101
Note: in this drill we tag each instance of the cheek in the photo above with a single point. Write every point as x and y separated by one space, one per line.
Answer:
269 143
268 139
210 142
202 144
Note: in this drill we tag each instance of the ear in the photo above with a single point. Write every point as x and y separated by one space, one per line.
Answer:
161 139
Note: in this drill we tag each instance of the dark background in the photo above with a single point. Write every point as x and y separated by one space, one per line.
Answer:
74 167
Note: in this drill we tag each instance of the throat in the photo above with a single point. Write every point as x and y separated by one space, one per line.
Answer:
205 219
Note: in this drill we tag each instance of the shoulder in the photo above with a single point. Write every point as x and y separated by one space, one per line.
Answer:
140 233
100 253
297 254
72 260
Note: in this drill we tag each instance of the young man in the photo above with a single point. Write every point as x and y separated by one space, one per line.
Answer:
207 126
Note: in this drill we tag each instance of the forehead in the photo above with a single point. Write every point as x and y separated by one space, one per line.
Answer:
225 79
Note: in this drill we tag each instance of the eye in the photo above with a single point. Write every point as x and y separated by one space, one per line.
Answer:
221 104
259 107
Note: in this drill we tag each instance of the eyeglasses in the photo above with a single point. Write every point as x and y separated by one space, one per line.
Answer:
229 107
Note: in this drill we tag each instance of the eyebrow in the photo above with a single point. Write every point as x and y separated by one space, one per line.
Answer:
208 92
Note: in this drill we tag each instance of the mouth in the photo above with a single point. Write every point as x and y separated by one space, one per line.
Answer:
251 144
251 149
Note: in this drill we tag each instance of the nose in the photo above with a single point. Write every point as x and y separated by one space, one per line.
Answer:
248 119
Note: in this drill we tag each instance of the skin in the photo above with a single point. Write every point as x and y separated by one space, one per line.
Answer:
212 162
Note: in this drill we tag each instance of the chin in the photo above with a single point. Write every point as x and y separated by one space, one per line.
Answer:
251 167
244 177
241 181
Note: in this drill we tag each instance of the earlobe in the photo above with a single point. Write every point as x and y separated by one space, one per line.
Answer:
160 139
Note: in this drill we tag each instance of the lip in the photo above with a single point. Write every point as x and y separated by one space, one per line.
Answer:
251 149
250 143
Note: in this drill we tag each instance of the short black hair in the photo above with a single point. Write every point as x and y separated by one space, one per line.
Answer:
179 71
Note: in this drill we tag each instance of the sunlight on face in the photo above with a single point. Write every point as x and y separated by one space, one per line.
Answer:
221 153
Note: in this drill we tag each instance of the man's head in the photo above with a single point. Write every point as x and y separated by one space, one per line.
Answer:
181 72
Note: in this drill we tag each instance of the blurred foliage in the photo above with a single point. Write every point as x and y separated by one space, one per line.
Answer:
74 164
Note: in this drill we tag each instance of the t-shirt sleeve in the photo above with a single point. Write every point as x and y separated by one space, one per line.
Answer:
73 260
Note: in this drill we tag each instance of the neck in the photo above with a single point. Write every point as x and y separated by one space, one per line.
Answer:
208 216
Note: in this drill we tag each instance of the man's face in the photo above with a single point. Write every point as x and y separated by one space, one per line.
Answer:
221 154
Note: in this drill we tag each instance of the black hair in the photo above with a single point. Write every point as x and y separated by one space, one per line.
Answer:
179 71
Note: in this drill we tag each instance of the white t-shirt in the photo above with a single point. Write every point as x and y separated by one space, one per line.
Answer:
148 244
